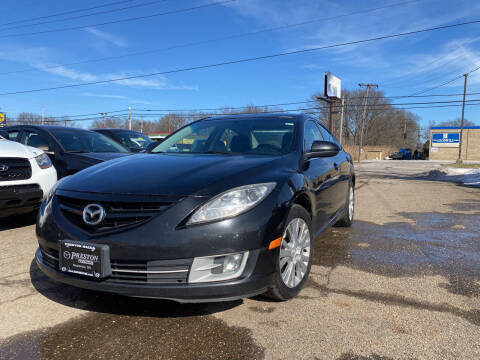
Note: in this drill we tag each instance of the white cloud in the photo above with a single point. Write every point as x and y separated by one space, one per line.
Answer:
39 58
157 82
106 96
116 97
113 39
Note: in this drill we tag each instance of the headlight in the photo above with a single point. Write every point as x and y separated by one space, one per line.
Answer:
232 202
43 161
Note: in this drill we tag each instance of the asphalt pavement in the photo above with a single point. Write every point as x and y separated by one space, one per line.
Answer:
402 283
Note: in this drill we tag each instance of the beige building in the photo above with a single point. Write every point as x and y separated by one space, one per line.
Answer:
444 143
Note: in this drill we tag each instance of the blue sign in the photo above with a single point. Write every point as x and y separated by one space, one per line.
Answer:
446 138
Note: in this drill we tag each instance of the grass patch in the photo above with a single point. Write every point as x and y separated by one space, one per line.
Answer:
462 166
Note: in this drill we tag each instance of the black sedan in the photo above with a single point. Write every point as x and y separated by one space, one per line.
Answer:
133 140
70 149
232 215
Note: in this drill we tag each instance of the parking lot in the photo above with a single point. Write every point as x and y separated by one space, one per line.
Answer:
402 283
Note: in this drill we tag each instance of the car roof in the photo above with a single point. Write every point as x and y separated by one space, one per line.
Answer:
116 129
273 115
47 127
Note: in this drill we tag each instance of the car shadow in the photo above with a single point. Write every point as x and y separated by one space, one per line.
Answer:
107 303
17 221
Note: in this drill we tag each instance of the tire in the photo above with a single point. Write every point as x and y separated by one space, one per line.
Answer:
296 258
349 211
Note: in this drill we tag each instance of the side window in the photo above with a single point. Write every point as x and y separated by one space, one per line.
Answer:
312 133
31 138
326 134
12 135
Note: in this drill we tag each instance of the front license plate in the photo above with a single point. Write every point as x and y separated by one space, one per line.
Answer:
86 259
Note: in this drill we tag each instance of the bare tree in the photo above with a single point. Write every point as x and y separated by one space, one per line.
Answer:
384 125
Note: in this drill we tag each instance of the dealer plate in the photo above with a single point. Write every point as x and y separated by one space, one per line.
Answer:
85 259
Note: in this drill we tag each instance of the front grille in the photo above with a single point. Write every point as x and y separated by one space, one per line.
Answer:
13 196
118 214
151 272
17 169
157 272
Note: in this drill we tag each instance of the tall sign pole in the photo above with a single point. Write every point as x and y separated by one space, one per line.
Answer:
362 127
459 160
332 92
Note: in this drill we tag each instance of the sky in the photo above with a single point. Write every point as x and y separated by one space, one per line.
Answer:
177 34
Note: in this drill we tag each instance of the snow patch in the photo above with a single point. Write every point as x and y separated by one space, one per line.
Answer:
463 176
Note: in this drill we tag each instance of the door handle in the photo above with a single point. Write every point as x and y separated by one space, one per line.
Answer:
336 166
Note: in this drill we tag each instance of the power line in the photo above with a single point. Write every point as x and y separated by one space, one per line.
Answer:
427 66
124 112
447 82
208 41
125 116
68 12
264 57
121 20
85 15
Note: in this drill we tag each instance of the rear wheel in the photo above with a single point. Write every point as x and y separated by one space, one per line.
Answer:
347 218
295 255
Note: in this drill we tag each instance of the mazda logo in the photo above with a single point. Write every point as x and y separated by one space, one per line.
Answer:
3 167
93 214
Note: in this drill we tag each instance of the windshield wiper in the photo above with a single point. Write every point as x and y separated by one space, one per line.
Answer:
210 152
78 152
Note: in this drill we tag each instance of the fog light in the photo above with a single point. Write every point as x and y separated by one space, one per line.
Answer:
217 268
232 262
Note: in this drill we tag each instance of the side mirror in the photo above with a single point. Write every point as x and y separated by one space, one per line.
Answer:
323 149
4 134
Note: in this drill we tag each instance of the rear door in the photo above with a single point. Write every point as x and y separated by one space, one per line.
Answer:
319 173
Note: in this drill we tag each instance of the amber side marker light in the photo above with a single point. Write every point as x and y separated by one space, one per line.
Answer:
275 243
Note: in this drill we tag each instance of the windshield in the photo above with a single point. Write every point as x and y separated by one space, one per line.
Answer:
133 140
261 136
79 141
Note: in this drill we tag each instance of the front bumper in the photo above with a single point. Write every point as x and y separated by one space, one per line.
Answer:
24 196
19 199
256 279
165 239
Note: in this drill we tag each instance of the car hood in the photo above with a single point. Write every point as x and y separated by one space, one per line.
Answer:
13 149
173 174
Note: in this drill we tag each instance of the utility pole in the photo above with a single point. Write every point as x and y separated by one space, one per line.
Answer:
362 127
330 117
141 126
129 118
169 123
459 160
103 118
405 131
341 119
43 115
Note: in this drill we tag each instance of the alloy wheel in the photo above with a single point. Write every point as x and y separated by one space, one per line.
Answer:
294 252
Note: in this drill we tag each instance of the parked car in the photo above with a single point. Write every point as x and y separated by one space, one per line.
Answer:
26 177
402 154
133 140
70 149
234 215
